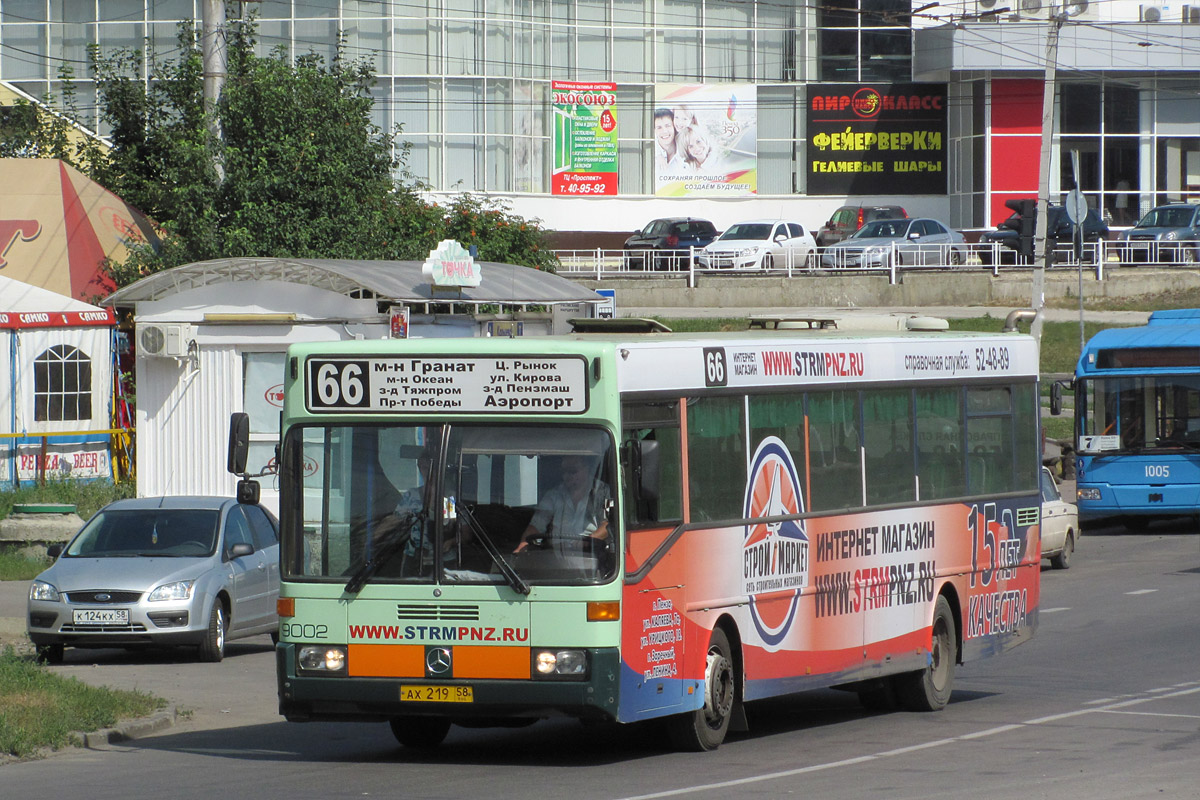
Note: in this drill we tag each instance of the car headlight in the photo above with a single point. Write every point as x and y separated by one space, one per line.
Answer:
179 590
40 590
748 251
560 663
1087 494
322 658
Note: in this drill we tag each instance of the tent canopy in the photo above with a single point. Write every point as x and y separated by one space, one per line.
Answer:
399 281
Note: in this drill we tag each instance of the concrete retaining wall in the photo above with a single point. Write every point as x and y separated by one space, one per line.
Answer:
1011 288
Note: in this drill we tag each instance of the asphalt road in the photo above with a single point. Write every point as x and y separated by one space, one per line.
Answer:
1103 703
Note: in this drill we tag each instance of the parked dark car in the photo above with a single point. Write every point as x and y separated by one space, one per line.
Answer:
848 219
667 243
1169 233
1059 232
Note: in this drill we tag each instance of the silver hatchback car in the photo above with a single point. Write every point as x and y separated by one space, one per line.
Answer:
160 571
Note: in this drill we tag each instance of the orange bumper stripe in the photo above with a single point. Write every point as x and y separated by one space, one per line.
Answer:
474 661
385 661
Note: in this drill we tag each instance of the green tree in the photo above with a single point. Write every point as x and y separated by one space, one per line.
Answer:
306 172
30 130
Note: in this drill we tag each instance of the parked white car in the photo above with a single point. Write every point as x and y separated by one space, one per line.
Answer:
759 244
1060 524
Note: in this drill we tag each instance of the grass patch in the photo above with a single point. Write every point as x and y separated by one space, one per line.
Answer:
704 324
87 496
15 567
1179 298
40 709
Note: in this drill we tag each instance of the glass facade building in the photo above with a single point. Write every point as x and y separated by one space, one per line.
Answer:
470 84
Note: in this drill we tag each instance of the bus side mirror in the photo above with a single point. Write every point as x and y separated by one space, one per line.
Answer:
1056 399
248 492
239 442
648 469
640 459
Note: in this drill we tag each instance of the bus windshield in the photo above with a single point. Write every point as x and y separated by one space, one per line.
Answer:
506 504
1143 412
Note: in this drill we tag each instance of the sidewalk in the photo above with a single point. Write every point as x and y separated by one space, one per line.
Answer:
236 692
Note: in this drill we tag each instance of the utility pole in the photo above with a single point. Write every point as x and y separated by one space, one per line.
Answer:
212 48
1042 256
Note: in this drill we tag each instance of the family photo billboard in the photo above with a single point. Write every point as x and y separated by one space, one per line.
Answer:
705 140
585 138
868 139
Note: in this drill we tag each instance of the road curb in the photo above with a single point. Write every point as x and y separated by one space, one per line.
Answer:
129 730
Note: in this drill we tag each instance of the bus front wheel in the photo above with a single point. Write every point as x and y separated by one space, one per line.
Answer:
420 733
705 728
929 689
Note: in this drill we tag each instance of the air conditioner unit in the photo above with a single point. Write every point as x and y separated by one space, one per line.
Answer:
167 340
1082 10
1030 10
1190 15
1151 13
985 10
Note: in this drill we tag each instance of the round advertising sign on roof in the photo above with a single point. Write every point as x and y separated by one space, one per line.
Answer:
451 265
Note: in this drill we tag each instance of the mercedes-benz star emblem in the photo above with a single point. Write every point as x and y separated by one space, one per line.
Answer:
437 660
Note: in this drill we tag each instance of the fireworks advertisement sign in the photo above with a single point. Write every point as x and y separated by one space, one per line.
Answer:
868 139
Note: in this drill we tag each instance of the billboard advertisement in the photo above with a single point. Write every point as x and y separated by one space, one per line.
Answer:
705 140
877 138
585 139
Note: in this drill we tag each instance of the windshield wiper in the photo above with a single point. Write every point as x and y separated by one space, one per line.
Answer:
517 583
383 552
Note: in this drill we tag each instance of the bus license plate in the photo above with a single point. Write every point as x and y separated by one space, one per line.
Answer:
437 694
106 616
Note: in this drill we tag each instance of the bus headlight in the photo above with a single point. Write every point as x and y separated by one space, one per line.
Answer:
560 663
1087 494
322 658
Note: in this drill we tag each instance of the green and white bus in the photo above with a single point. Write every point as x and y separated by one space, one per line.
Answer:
625 527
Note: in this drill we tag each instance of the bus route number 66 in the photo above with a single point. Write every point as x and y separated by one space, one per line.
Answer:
715 373
338 384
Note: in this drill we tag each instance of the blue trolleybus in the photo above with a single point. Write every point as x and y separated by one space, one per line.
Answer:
1137 416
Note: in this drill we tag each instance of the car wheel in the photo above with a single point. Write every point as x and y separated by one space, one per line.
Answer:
212 647
419 733
955 257
929 689
51 654
1188 256
768 261
1063 559
705 728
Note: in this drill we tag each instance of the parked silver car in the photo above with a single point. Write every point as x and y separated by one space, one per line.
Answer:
160 571
1168 233
907 241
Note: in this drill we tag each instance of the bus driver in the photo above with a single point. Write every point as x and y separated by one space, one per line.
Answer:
573 510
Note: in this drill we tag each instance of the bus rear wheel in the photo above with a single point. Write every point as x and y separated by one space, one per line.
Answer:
929 689
420 733
705 728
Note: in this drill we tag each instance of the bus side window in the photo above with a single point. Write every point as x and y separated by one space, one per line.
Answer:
651 430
